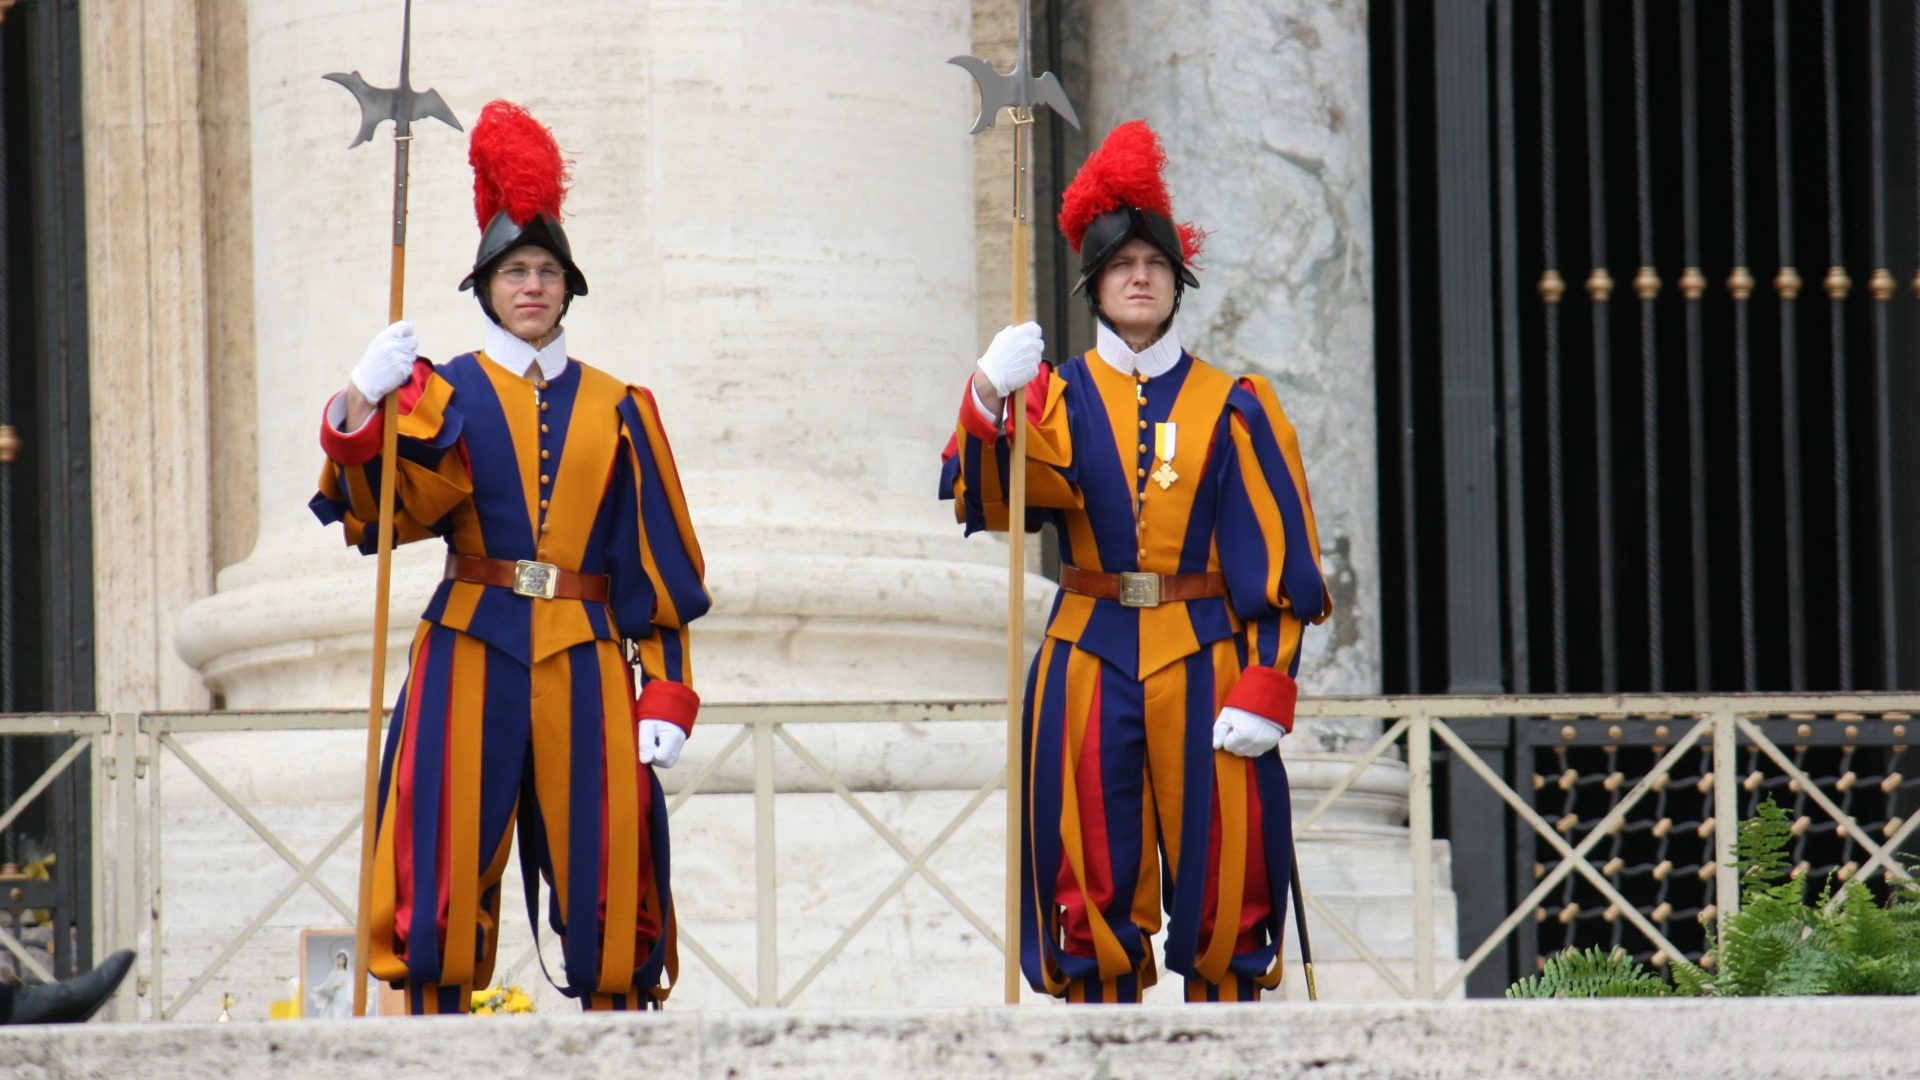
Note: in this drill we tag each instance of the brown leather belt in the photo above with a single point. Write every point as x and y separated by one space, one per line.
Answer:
1141 590
527 578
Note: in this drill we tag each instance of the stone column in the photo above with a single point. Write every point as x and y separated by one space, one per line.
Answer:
147 318
1262 106
773 205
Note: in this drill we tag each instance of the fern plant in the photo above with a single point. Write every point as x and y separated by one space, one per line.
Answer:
1776 945
1590 974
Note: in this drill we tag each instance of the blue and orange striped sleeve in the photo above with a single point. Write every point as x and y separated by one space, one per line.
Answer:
657 572
973 468
1269 548
429 481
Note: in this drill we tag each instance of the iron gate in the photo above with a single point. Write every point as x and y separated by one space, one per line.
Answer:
1644 297
46 598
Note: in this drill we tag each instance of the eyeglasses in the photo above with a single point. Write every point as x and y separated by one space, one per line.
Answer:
517 275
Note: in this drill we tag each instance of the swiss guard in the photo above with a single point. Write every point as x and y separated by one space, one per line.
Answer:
1189 570
571 563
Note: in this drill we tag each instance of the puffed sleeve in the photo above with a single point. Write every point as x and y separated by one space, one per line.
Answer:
654 563
1269 548
973 468
431 478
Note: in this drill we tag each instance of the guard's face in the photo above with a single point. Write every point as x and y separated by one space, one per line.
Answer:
528 289
1136 289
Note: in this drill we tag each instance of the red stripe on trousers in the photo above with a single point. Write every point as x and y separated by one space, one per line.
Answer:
1092 799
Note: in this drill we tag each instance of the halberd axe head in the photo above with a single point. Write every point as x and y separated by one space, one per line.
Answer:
402 104
1016 89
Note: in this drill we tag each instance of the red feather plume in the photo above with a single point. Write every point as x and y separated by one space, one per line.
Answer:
516 165
1125 171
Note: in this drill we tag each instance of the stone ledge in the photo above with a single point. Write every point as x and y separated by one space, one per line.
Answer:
1802 1039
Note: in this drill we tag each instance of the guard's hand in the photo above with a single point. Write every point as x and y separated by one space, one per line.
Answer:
388 362
1238 731
660 743
1013 359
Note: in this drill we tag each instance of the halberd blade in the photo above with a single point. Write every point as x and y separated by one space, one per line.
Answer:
996 90
402 106
1048 91
376 104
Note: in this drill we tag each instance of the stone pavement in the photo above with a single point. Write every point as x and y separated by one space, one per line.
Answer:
1804 1039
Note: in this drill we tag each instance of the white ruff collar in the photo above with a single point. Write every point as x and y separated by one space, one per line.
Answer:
514 354
1156 359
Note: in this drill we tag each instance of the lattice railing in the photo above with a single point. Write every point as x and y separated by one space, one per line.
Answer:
89 748
1725 747
1674 725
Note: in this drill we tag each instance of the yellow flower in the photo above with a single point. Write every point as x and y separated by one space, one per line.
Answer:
496 1000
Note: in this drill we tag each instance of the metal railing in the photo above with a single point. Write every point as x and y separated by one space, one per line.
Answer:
1416 727
762 726
90 734
1721 721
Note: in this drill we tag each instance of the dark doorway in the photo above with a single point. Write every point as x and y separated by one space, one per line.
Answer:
1646 303
1648 292
46 574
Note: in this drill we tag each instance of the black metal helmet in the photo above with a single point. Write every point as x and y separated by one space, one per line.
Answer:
1120 194
1109 232
502 236
519 181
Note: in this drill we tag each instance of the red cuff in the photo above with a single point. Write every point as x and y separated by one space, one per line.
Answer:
983 429
1266 692
363 446
676 703
351 448
971 419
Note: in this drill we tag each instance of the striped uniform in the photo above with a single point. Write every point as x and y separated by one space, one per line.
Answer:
523 708
1120 702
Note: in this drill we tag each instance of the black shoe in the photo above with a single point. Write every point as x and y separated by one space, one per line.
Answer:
71 1001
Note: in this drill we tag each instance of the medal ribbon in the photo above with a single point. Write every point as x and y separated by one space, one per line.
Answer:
1164 441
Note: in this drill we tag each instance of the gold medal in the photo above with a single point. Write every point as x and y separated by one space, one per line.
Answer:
1164 444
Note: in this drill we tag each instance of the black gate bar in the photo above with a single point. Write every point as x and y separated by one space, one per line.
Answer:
1403 270
1882 288
1600 291
1552 287
1838 285
1693 285
7 675
1740 285
1646 286
1787 284
1512 457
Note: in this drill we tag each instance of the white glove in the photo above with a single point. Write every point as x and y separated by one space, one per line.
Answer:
1246 734
388 362
1013 359
660 743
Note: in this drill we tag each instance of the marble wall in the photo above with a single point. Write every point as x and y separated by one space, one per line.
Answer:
1262 106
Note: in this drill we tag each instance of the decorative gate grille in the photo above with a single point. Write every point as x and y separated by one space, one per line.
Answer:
1647 276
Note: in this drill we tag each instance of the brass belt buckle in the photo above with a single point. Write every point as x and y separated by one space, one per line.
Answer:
535 578
1139 590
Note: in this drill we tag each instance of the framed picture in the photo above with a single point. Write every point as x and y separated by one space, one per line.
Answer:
326 979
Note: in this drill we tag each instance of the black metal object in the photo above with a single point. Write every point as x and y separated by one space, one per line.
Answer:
1646 286
1060 39
48 291
1575 770
1600 294
1582 768
1684 482
1787 284
1693 284
1735 439
46 526
1467 347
